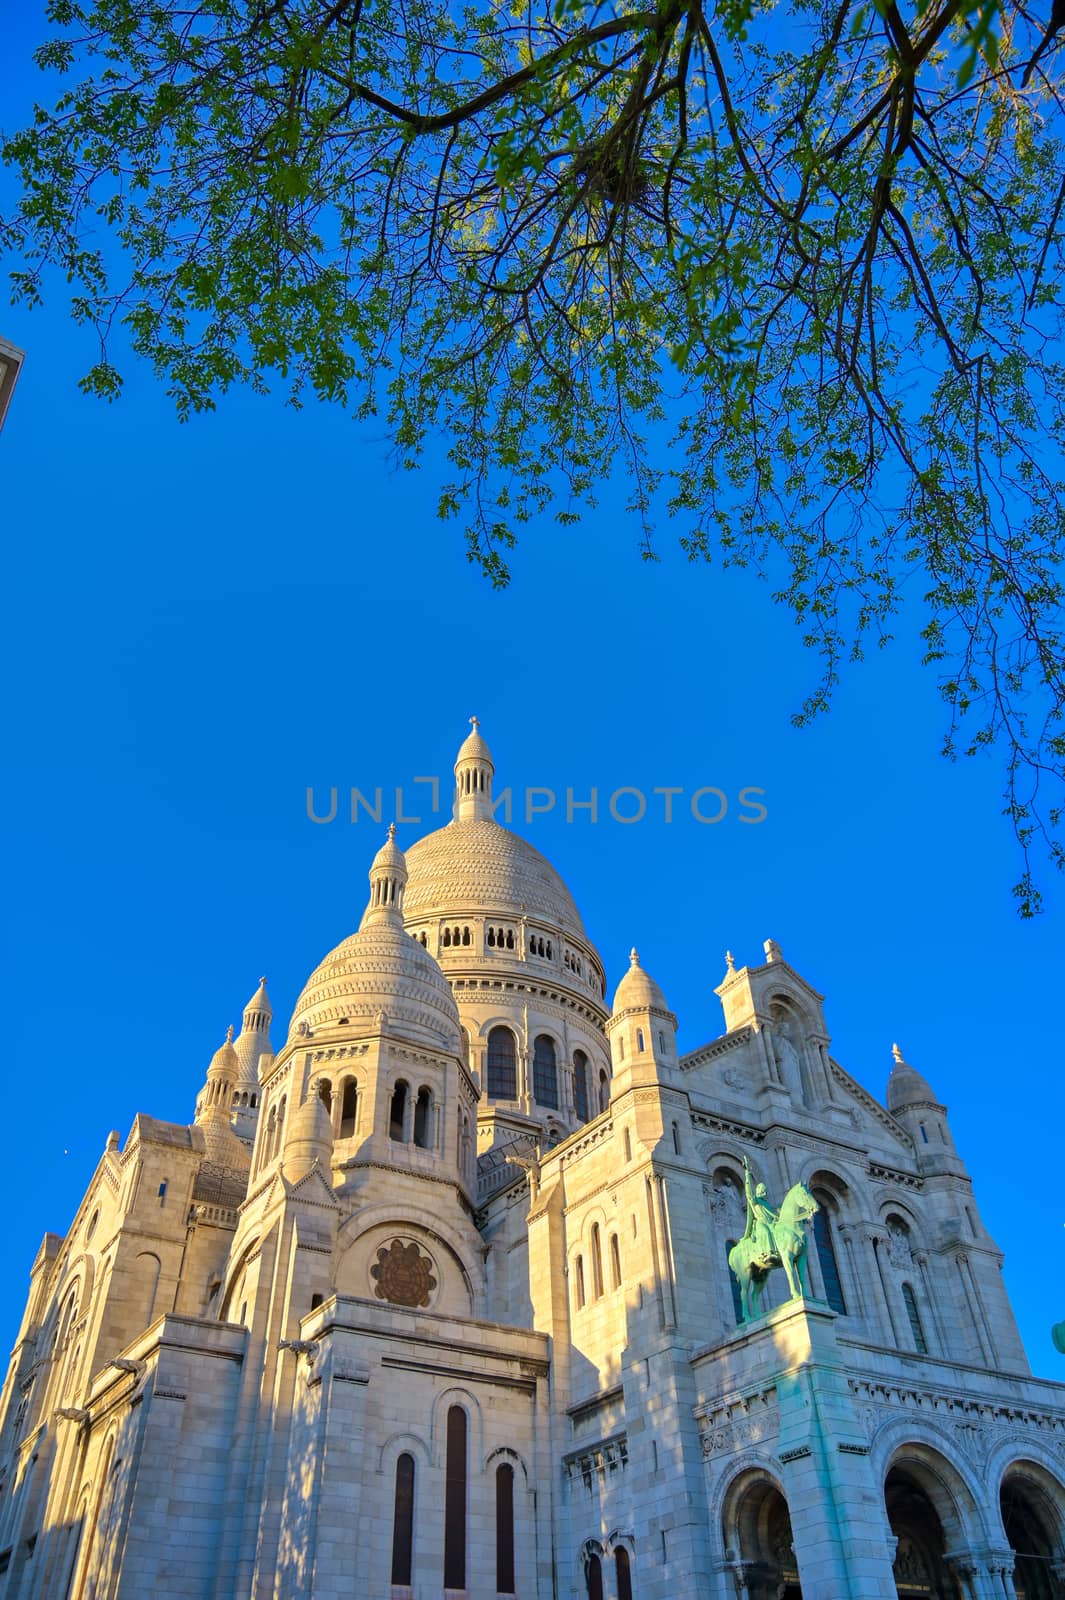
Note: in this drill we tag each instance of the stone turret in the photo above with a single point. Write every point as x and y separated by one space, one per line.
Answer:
913 1102
309 1138
473 778
642 1031
254 1049
213 1106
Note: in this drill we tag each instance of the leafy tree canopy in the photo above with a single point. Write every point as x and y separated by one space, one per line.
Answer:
794 263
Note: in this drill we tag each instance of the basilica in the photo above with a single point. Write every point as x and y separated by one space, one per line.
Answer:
432 1297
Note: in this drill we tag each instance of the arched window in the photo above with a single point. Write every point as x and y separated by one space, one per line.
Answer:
826 1256
349 1105
920 1343
622 1573
397 1115
325 1093
446 940
505 1529
502 1071
578 1281
595 1578
465 935
491 939
597 1262
628 1145
545 1072
455 1501
737 1298
280 1133
604 1090
580 1084
676 1140
422 1118
403 1521
615 1262
639 1040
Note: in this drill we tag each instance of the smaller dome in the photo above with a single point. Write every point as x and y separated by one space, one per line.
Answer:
224 1062
389 855
473 747
381 970
637 990
906 1086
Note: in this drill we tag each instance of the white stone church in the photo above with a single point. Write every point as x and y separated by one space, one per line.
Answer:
431 1300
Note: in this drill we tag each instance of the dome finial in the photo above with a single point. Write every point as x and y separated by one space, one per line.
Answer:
229 1034
391 830
897 1053
634 957
475 723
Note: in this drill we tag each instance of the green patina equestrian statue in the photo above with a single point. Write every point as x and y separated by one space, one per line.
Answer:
772 1239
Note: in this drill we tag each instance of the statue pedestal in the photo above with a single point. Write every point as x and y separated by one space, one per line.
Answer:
777 1391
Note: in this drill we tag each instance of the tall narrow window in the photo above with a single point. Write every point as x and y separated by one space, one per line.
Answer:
826 1256
615 1262
595 1578
639 1040
545 1072
422 1110
737 1298
349 1105
597 1262
622 1573
920 1343
505 1529
403 1521
325 1093
578 1277
455 1501
580 1084
502 1073
397 1115
604 1091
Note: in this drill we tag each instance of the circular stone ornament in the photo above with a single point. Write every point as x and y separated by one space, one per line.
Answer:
402 1274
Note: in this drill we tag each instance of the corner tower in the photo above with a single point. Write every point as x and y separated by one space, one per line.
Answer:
527 981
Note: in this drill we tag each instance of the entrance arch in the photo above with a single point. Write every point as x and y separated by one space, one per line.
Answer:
1031 1502
758 1538
926 1522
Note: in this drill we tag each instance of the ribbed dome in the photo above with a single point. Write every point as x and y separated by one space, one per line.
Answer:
906 1086
638 990
381 968
475 865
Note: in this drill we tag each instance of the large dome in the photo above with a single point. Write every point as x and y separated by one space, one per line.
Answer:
474 864
381 969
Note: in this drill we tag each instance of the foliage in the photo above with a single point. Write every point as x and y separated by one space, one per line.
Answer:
794 264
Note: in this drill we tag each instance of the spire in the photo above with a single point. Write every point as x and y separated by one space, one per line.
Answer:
388 880
253 1041
473 777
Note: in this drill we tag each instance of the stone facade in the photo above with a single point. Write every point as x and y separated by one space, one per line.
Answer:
433 1300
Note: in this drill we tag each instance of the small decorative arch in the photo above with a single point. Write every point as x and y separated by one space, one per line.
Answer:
423 1118
349 1108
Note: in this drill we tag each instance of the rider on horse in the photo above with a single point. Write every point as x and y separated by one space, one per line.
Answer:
760 1215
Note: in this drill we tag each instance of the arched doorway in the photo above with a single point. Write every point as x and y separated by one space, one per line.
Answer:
759 1540
921 1572
1031 1519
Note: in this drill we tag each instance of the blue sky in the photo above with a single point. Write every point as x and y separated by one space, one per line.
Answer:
204 620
